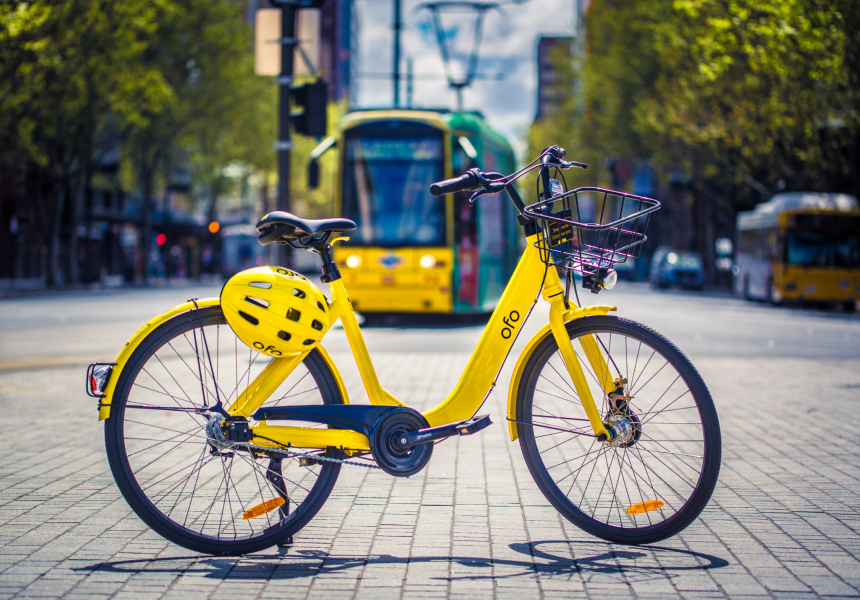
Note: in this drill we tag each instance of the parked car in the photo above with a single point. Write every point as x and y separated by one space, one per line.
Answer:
657 260
681 269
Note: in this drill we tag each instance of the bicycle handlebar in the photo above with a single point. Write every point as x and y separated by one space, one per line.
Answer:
482 183
467 182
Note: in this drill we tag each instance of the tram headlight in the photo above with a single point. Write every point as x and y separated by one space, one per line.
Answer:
353 261
428 261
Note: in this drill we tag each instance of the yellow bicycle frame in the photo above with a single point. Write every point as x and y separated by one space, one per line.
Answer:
479 377
476 383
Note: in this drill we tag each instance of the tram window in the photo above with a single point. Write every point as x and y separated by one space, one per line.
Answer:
386 183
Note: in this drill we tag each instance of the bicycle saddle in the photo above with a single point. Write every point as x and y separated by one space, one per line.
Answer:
283 227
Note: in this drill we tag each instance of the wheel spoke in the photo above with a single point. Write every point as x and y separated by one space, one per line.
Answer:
659 466
199 488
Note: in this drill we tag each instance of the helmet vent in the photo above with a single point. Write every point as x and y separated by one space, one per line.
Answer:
317 325
321 307
261 284
249 318
257 301
299 293
284 335
308 342
294 315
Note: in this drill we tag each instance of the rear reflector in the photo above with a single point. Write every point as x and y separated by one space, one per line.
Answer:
97 378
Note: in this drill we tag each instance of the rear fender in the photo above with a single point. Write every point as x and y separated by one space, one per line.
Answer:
541 335
137 339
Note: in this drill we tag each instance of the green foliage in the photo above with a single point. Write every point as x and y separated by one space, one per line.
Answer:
748 86
171 80
722 90
65 65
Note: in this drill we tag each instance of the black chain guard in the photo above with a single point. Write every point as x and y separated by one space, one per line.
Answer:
391 458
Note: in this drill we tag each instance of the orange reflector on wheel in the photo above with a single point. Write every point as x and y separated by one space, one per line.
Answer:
643 507
261 509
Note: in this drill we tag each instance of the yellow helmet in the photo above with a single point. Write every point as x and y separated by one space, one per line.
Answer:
275 311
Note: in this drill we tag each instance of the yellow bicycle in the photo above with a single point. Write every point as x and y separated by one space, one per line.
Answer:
227 422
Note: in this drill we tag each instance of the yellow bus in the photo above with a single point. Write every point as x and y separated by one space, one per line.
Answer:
800 246
413 252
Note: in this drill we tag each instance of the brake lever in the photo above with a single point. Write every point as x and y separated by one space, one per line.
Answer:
568 164
490 189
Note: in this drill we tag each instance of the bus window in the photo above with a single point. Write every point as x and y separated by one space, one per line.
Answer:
847 249
823 249
385 190
808 249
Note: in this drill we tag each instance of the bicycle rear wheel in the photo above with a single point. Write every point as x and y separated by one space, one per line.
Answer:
170 468
646 485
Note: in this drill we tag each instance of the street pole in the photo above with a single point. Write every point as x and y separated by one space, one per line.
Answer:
284 144
397 25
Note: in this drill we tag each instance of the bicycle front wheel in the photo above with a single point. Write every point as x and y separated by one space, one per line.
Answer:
176 474
647 484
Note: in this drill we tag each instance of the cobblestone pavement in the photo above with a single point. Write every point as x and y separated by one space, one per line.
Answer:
784 520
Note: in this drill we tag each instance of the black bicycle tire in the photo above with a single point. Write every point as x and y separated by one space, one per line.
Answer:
138 500
710 425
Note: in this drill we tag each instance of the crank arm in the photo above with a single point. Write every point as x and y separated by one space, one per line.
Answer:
431 434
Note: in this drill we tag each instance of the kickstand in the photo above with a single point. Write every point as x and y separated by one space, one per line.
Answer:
275 476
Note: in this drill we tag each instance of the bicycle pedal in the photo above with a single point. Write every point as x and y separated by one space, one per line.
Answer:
474 425
307 461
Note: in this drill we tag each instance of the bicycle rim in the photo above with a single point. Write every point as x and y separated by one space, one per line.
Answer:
660 479
163 458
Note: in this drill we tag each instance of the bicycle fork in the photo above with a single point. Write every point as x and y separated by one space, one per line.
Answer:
554 294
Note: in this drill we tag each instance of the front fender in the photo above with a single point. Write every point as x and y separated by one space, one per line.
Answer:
135 341
568 315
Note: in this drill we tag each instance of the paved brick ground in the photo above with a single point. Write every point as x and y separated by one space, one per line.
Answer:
783 523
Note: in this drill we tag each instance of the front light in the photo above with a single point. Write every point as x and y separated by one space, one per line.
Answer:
609 280
353 261
428 261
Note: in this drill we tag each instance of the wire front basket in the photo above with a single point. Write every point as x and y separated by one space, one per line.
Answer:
589 230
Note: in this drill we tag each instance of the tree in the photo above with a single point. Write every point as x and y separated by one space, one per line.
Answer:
729 98
63 67
218 111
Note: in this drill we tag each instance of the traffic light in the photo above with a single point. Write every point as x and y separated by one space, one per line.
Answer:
311 104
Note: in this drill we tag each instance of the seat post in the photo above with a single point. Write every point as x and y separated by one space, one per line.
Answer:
330 272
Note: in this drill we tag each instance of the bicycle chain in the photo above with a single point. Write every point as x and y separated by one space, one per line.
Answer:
289 454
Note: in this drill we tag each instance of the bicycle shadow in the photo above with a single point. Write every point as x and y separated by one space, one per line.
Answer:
551 558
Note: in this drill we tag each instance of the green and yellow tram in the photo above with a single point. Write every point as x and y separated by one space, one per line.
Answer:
413 252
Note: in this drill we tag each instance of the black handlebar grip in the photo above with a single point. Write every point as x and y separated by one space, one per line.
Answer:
467 182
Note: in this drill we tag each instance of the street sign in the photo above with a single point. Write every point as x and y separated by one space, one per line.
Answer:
268 40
